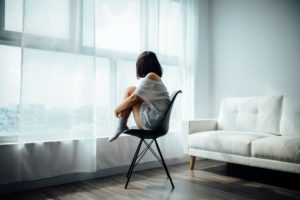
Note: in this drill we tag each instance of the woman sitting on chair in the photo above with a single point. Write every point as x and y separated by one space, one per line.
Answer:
148 101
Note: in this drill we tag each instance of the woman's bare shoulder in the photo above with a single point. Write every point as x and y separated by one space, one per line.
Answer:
153 76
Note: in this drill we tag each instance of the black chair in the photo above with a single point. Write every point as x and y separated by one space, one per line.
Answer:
152 135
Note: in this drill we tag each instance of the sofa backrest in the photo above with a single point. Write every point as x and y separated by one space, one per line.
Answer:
260 114
290 118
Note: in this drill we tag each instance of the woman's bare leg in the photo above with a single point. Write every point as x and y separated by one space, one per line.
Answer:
136 114
135 108
125 115
128 92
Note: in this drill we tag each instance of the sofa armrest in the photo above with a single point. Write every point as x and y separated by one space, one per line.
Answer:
197 125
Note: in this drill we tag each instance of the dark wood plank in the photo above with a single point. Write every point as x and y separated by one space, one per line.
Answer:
208 180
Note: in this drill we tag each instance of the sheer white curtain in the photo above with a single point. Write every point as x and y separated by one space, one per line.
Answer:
56 132
192 51
71 67
164 31
179 27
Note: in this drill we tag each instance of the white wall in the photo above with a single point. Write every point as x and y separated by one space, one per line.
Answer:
202 84
256 48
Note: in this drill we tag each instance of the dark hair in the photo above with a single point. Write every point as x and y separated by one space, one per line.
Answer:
147 62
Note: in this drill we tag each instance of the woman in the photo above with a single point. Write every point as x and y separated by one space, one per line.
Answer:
148 101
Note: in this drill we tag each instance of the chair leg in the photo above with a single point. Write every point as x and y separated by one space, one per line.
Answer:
134 158
192 162
133 163
164 164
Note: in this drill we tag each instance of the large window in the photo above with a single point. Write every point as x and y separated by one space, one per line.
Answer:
65 64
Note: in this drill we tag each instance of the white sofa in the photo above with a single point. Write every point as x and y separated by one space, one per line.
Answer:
256 131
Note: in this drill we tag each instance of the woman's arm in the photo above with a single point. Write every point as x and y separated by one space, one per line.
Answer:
133 98
127 103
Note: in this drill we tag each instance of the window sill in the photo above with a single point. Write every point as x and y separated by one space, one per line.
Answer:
8 139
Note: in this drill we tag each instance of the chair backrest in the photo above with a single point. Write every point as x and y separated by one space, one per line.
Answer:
164 126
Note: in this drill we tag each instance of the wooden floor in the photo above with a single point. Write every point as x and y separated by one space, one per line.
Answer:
209 180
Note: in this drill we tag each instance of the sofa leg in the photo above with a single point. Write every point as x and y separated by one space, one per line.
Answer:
192 162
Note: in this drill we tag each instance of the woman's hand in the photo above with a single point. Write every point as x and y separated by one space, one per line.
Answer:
127 103
120 114
116 113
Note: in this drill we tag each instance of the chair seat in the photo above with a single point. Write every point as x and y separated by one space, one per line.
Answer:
145 134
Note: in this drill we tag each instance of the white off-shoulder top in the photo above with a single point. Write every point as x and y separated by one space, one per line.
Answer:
156 102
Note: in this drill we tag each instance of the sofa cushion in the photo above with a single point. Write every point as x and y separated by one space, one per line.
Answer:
283 148
231 142
290 119
261 114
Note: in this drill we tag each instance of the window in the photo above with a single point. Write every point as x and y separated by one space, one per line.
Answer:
41 12
57 95
104 96
169 28
118 25
10 72
88 23
77 62
13 15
